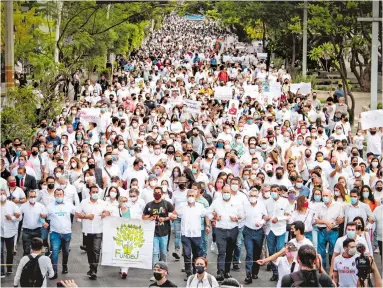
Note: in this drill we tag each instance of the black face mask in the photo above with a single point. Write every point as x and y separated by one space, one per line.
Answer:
96 149
109 162
359 227
51 186
219 166
354 164
293 178
271 142
91 166
163 146
34 153
379 189
372 132
320 131
232 160
269 173
123 127
43 125
170 152
199 269
258 187
308 143
279 176
157 276
308 155
182 186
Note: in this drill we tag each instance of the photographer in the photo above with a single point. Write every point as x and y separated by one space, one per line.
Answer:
308 276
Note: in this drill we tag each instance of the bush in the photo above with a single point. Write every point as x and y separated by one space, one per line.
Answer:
309 78
278 62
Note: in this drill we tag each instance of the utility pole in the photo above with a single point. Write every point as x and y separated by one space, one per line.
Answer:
57 34
304 60
9 46
374 52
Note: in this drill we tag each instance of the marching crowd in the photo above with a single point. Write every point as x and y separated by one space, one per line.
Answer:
286 177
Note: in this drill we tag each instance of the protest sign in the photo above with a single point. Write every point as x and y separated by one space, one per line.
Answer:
223 93
275 89
266 86
90 115
262 56
225 58
251 90
371 119
233 107
294 87
192 106
305 88
175 97
127 242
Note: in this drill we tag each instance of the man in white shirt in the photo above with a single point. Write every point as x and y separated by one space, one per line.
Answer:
138 172
226 211
10 218
298 230
59 214
110 169
38 164
253 234
92 210
278 214
191 213
345 270
34 214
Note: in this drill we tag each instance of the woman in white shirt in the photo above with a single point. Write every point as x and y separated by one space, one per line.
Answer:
201 278
111 197
305 214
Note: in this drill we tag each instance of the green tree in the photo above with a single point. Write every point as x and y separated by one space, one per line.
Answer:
129 237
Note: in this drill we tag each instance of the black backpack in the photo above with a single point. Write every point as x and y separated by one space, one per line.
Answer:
31 274
300 281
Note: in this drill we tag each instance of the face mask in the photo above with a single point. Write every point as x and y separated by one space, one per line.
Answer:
266 195
113 195
333 166
234 187
291 254
317 198
269 173
279 176
226 196
109 162
157 196
325 199
252 151
274 195
351 251
357 174
191 200
253 199
291 197
84 159
58 175
21 163
286 139
374 164
3 198
153 183
157 276
95 196
337 193
320 158
34 153
299 185
379 189
59 200
299 141
264 146
351 234
32 200
220 145
353 200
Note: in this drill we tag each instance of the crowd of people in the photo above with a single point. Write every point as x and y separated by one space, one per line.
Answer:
286 177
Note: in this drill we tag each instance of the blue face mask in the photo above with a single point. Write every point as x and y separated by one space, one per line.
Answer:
220 145
249 121
299 141
353 200
333 166
325 199
95 196
252 151
194 171
226 196
59 200
317 198
42 220
19 176
351 234
274 195
18 153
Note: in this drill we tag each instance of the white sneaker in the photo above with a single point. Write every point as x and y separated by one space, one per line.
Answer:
214 248
152 279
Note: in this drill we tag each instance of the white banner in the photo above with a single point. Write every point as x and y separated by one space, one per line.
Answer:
275 89
251 90
305 88
192 106
262 56
223 93
175 97
371 119
127 243
294 87
90 115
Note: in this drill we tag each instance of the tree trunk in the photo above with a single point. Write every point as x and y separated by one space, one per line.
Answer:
343 73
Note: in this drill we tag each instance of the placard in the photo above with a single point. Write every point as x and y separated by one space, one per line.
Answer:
192 106
262 56
251 90
233 108
371 119
305 88
294 87
266 86
127 242
223 93
275 89
175 97
90 115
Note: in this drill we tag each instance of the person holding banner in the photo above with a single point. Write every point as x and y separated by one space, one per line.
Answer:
159 210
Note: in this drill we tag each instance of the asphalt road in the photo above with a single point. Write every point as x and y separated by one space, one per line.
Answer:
110 277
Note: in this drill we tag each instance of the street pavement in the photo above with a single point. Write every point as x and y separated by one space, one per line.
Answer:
110 277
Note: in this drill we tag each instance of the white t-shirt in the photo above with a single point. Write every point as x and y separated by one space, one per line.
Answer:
305 241
346 268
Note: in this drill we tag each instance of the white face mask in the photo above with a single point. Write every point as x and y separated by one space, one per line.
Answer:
58 175
113 195
3 198
234 187
185 163
266 195
253 199
191 200
165 188
74 165
153 183
210 156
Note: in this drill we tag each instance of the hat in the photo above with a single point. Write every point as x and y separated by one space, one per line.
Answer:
114 178
268 167
181 179
162 265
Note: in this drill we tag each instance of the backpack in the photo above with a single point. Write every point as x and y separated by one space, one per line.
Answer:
299 281
191 278
31 274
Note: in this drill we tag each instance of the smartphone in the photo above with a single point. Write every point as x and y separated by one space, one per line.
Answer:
59 284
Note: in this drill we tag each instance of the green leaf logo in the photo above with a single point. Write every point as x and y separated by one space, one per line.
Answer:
129 237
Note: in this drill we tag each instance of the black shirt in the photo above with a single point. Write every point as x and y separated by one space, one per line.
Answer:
323 279
161 209
166 284
5 174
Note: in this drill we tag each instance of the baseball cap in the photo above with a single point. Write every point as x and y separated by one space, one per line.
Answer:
162 265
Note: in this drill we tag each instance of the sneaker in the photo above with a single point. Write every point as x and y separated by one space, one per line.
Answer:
220 277
2 275
152 279
227 275
236 267
83 248
176 255
124 275
248 279
214 248
93 276
274 278
65 269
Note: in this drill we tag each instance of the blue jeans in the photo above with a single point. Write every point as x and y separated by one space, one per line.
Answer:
177 232
204 243
274 244
60 241
325 237
238 246
160 251
309 235
253 244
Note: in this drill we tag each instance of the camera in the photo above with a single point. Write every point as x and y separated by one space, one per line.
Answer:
363 264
